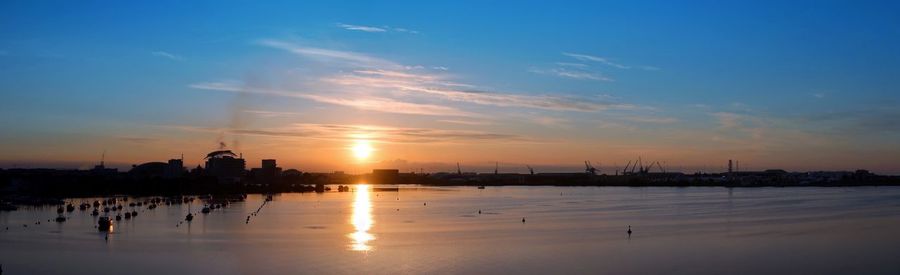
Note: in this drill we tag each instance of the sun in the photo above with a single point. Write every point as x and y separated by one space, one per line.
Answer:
362 149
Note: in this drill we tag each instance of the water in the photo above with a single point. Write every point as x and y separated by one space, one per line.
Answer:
567 230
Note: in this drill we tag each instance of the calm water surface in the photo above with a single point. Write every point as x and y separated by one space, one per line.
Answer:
567 230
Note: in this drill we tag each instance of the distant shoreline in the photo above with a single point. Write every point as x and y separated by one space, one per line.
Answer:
47 186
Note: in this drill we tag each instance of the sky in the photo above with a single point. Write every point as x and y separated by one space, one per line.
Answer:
795 85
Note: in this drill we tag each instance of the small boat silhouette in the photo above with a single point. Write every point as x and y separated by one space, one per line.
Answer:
103 224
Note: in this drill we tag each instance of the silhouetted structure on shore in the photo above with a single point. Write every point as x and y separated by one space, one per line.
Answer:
225 173
225 166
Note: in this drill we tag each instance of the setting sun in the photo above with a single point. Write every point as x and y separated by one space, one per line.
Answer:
362 149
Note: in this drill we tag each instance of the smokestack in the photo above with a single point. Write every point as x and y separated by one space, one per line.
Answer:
729 166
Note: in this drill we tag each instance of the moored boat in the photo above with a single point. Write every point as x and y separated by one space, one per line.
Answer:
103 224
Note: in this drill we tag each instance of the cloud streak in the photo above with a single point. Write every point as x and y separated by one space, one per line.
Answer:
369 83
606 61
574 74
437 86
327 55
343 132
377 104
360 28
167 55
373 29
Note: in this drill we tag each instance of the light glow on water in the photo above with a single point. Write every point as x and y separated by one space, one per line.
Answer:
362 220
727 230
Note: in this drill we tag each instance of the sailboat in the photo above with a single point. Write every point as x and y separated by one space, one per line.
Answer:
189 216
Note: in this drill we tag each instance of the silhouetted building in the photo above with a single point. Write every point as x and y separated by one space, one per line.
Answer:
291 173
101 170
149 170
225 165
268 173
174 169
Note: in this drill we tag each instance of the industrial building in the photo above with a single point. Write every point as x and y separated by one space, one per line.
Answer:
225 165
269 172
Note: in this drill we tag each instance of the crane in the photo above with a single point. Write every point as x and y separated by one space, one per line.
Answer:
588 168
636 165
530 170
660 167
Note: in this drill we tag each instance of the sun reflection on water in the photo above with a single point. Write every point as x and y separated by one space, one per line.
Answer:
362 220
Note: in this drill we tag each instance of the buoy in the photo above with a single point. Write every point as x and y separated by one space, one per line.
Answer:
523 220
629 230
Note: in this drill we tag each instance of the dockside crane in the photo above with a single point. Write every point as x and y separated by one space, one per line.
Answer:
646 169
638 162
660 167
588 168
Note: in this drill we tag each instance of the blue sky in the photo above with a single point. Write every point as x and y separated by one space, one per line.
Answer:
780 84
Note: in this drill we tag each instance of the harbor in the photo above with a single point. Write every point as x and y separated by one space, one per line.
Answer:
422 229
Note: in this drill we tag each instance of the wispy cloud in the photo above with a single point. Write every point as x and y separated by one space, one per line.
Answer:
360 28
606 61
574 74
377 104
363 28
353 58
374 84
432 85
728 120
551 121
167 55
264 113
570 64
405 30
351 131
466 122
648 119
586 57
